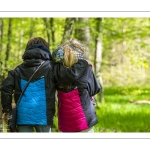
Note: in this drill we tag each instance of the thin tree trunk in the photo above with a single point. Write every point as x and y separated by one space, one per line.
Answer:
21 40
8 43
31 27
46 21
98 57
1 47
1 34
1 40
82 33
68 29
52 32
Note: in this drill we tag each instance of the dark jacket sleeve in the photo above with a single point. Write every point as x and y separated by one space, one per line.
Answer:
93 84
64 75
6 89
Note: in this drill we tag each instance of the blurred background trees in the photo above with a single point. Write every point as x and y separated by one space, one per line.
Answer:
118 47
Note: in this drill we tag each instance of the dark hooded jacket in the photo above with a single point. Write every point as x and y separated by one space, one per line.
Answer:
75 110
37 105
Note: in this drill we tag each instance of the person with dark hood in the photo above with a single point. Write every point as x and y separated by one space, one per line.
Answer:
36 108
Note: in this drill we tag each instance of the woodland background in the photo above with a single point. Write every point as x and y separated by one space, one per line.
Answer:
119 49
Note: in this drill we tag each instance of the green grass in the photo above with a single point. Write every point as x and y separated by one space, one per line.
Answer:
123 118
117 114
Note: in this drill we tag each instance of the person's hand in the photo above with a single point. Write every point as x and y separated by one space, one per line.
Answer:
5 117
90 63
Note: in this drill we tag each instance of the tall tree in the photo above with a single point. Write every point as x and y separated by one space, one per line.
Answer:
1 33
1 47
98 55
68 29
21 37
82 33
9 33
46 21
51 21
31 27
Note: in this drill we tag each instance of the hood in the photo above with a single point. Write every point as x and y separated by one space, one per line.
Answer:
37 51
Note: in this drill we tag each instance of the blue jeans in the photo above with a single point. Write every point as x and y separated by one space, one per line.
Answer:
33 128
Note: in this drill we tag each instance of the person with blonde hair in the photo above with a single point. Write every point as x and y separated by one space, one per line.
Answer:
76 84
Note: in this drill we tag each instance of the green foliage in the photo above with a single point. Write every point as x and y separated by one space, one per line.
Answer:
125 51
125 44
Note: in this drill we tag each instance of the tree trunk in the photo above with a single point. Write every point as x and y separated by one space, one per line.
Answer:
46 21
82 33
21 41
51 21
8 42
68 29
98 57
1 43
31 27
1 34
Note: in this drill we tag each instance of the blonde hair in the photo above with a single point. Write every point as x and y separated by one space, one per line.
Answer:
69 56
76 43
69 60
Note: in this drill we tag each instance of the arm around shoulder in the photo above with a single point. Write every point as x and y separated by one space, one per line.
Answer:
93 84
69 74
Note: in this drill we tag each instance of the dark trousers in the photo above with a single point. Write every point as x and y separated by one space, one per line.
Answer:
34 128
